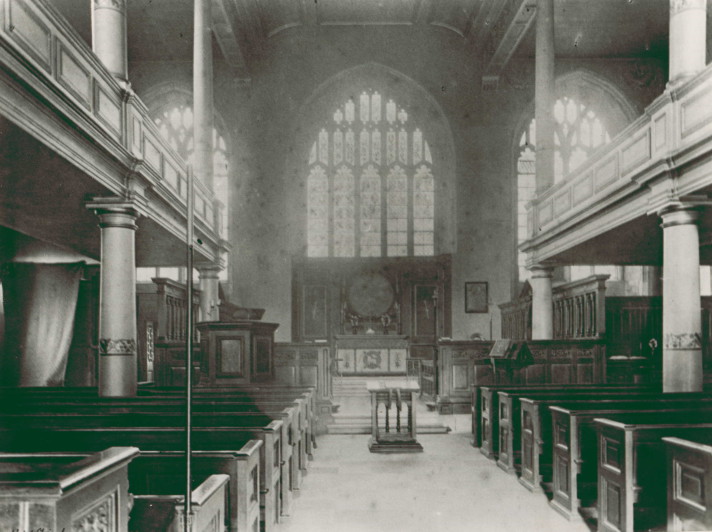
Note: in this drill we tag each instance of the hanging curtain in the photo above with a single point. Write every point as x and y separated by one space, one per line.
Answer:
40 301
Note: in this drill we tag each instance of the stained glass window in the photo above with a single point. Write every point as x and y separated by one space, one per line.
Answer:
370 183
578 132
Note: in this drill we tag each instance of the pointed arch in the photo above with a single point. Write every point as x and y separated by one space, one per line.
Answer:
426 134
589 111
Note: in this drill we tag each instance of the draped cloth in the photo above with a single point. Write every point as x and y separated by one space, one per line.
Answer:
40 302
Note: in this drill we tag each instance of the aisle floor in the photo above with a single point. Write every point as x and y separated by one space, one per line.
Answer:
450 487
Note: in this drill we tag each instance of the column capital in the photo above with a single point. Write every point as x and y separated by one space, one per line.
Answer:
681 215
208 270
114 212
113 4
542 271
676 6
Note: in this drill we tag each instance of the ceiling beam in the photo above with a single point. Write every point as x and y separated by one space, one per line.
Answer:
482 21
512 24
226 36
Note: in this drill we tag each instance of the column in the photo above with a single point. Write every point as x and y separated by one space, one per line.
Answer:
544 94
682 316
209 292
542 303
203 92
688 39
117 299
109 35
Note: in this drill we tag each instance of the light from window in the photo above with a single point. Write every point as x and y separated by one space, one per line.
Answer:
370 184
175 123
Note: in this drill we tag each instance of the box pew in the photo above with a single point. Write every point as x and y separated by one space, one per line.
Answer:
485 404
28 400
573 453
152 474
270 432
632 494
167 512
689 489
501 440
295 425
66 493
262 390
509 414
163 472
41 435
538 432
306 396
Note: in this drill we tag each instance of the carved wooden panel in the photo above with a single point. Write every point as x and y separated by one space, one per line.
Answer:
314 311
231 357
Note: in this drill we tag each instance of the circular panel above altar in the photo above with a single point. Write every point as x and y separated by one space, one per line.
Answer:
370 295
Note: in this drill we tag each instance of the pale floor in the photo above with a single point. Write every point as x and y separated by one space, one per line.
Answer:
450 487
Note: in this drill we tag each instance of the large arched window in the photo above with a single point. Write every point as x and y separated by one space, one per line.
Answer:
370 183
578 132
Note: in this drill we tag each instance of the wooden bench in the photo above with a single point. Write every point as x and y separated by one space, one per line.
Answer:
34 399
485 405
66 493
632 495
167 512
155 438
162 472
508 415
574 449
689 488
155 473
295 426
538 432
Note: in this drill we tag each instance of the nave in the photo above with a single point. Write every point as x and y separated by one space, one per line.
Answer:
449 487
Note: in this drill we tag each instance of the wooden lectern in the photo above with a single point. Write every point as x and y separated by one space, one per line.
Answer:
399 435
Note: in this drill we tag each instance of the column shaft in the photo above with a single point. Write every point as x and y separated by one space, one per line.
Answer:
682 317
109 35
203 92
117 307
542 304
209 293
544 94
688 39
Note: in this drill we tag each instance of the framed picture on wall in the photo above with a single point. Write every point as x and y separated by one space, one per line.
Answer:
476 297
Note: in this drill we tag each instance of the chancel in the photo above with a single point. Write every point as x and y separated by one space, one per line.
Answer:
243 243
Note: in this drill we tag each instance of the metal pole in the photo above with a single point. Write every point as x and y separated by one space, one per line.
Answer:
189 352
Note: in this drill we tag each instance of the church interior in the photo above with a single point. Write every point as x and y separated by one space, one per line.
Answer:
354 265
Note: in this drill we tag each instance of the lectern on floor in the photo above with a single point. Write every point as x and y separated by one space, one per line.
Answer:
393 434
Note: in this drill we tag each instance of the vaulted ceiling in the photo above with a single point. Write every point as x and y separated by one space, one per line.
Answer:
495 29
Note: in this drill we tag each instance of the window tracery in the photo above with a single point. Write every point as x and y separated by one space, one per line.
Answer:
370 183
578 132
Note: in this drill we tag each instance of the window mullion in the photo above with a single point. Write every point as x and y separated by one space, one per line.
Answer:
411 211
358 170
384 213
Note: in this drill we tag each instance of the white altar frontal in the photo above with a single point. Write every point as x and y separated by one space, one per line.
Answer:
371 354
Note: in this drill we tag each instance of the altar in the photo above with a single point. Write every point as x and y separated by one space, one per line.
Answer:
371 354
